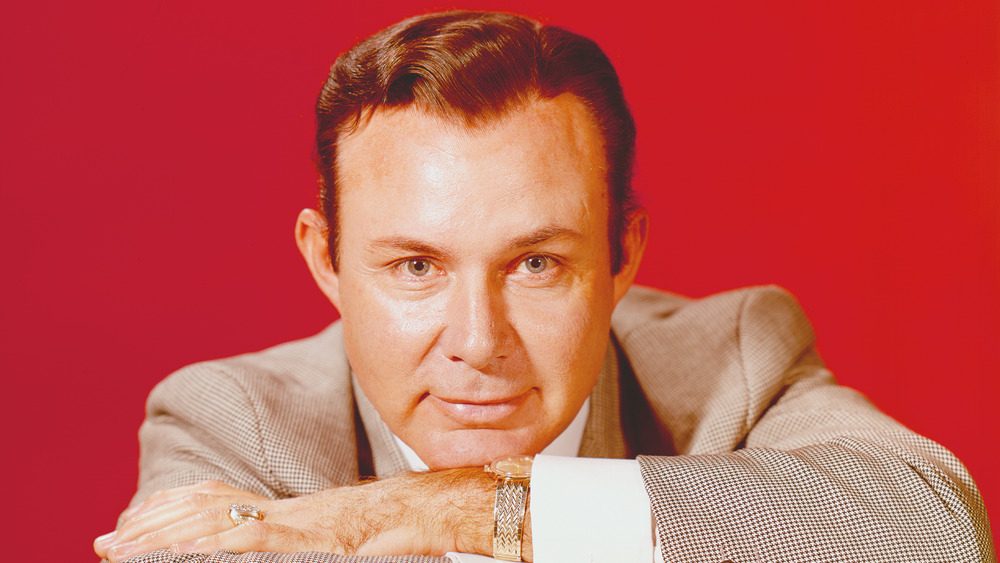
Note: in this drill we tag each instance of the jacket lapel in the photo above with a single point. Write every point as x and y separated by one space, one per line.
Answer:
386 455
603 436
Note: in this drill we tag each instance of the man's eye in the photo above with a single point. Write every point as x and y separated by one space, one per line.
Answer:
536 264
418 267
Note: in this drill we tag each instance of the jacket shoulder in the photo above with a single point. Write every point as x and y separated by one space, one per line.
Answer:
709 366
644 306
284 415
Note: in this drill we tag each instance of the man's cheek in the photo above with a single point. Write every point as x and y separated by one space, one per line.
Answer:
563 322
399 318
411 323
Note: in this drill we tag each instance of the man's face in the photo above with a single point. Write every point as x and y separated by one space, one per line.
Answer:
474 277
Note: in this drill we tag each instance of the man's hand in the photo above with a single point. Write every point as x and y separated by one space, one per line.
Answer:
416 513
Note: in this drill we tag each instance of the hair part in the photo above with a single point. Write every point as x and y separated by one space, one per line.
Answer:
474 67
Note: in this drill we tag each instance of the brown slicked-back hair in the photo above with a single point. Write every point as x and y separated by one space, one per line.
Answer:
475 66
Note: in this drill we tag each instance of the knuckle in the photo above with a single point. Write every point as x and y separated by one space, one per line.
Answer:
126 528
258 531
208 544
149 538
214 514
213 485
197 500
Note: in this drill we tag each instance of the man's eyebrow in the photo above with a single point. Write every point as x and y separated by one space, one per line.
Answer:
416 246
410 245
546 234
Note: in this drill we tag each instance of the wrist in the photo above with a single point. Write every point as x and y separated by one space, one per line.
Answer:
447 510
472 492
471 526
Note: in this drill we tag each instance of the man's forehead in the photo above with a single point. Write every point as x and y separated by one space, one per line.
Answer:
562 123
412 177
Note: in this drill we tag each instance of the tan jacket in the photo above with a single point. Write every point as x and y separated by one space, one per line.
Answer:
749 449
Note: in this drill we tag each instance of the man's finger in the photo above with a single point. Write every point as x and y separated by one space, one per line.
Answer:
165 496
173 512
206 523
166 514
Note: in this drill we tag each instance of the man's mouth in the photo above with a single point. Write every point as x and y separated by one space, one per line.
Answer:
480 412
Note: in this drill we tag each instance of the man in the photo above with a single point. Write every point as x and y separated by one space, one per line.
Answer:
479 236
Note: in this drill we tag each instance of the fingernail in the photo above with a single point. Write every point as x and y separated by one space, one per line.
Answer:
106 538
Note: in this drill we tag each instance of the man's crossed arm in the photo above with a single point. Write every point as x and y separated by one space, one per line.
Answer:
415 513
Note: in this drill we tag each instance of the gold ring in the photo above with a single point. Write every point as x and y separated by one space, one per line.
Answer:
240 513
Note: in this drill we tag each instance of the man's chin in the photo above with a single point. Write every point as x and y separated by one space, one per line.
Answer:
470 448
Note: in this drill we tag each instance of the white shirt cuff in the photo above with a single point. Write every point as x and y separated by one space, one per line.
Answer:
589 509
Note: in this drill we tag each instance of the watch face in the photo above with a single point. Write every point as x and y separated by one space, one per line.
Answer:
517 466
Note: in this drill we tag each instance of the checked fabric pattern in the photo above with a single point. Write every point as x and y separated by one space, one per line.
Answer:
759 454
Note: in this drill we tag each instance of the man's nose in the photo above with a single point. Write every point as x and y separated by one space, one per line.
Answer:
478 330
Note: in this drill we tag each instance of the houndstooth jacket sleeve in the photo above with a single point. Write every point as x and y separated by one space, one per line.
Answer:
770 460
776 461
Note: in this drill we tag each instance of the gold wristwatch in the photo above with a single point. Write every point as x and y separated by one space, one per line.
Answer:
513 475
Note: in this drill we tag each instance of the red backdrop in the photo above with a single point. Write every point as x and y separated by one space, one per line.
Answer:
155 154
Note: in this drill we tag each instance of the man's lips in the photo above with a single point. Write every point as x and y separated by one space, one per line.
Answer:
479 413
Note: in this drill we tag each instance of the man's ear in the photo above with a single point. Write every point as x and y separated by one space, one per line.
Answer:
311 238
633 245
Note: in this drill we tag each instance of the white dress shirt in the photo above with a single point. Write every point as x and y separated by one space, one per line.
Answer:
582 509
